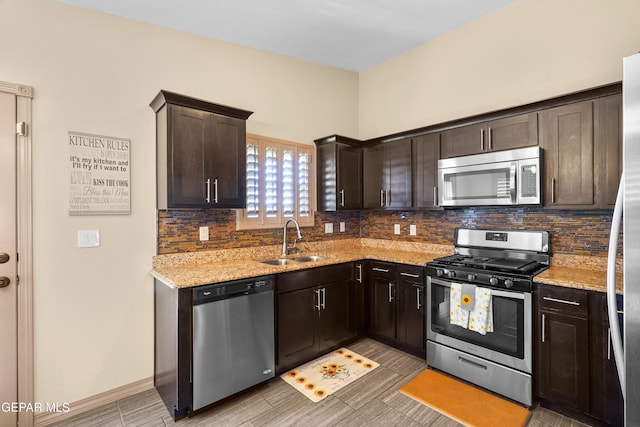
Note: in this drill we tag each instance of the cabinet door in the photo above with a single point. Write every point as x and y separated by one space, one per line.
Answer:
349 195
189 130
512 132
397 170
383 307
334 314
462 141
426 152
297 327
610 139
567 137
227 159
373 176
411 318
562 362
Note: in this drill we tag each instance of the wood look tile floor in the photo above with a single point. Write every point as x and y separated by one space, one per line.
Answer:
373 400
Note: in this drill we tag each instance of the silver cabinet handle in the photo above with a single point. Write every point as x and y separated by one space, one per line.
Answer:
387 198
359 275
609 344
324 298
481 139
317 306
381 270
215 191
543 321
561 301
208 197
342 198
415 276
418 297
489 132
390 291
382 198
435 196
553 190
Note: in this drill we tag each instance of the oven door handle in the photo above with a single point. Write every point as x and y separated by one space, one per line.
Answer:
494 292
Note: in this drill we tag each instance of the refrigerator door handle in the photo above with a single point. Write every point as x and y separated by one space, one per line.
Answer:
611 287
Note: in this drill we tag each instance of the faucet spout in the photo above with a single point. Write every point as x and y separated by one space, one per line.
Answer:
285 248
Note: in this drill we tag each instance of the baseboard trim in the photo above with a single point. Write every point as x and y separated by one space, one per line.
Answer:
93 402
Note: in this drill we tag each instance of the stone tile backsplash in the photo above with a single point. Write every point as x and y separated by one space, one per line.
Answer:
572 232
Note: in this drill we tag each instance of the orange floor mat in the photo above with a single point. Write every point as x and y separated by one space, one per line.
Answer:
464 403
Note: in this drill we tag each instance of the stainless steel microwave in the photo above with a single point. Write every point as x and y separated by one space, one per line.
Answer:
510 177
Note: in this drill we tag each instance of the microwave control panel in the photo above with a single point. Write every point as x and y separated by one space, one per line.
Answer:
528 180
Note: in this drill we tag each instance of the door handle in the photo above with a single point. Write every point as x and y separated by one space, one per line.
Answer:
489 134
390 291
4 258
381 198
324 298
562 301
418 305
415 276
215 191
359 275
4 282
381 270
342 198
435 196
543 321
609 344
481 139
208 197
317 306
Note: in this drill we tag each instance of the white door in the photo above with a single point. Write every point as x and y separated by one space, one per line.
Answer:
8 262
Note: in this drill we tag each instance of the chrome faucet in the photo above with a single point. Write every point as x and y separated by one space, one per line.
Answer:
285 248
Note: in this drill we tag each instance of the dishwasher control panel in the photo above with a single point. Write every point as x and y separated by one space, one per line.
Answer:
208 293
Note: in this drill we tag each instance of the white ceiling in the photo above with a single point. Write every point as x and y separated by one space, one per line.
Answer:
348 34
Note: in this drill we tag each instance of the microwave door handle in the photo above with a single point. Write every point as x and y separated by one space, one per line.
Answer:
514 183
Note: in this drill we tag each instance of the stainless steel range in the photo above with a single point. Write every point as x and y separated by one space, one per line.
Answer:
479 316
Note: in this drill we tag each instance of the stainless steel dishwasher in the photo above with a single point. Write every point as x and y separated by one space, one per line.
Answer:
233 338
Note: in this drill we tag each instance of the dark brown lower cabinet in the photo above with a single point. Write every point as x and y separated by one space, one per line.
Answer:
574 369
397 305
313 313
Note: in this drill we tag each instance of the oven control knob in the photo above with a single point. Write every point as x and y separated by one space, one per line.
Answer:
451 274
508 283
493 281
471 277
439 272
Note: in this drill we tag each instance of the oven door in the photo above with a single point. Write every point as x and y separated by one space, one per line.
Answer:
484 184
510 342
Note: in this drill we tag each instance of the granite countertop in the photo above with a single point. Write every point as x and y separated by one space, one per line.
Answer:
200 268
185 270
580 272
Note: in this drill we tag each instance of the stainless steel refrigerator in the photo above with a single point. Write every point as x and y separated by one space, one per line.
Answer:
628 205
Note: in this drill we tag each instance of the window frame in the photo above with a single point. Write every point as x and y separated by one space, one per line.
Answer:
262 221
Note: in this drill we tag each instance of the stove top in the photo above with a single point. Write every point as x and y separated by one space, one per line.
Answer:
498 259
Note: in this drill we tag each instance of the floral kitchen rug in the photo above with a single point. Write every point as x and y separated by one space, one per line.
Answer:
329 373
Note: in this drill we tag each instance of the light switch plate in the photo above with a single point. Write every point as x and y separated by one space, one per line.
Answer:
343 227
396 228
204 233
328 228
412 230
88 238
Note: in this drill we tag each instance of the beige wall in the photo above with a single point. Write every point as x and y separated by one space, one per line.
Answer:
96 73
525 52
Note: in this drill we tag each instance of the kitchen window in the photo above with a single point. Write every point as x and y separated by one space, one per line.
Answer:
280 183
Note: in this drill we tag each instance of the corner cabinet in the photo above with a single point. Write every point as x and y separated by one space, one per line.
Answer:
339 170
201 153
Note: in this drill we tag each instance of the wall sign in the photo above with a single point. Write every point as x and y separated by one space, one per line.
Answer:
99 174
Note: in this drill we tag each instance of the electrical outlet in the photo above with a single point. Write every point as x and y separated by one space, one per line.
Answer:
328 228
412 230
343 227
204 233
396 228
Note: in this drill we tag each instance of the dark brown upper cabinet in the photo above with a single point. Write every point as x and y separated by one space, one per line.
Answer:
608 128
495 135
426 153
201 153
568 142
339 161
387 175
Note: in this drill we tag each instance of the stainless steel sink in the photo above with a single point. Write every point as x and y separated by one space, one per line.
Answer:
308 258
277 261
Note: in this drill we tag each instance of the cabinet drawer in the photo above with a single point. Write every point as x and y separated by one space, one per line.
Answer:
301 279
563 300
411 273
382 269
